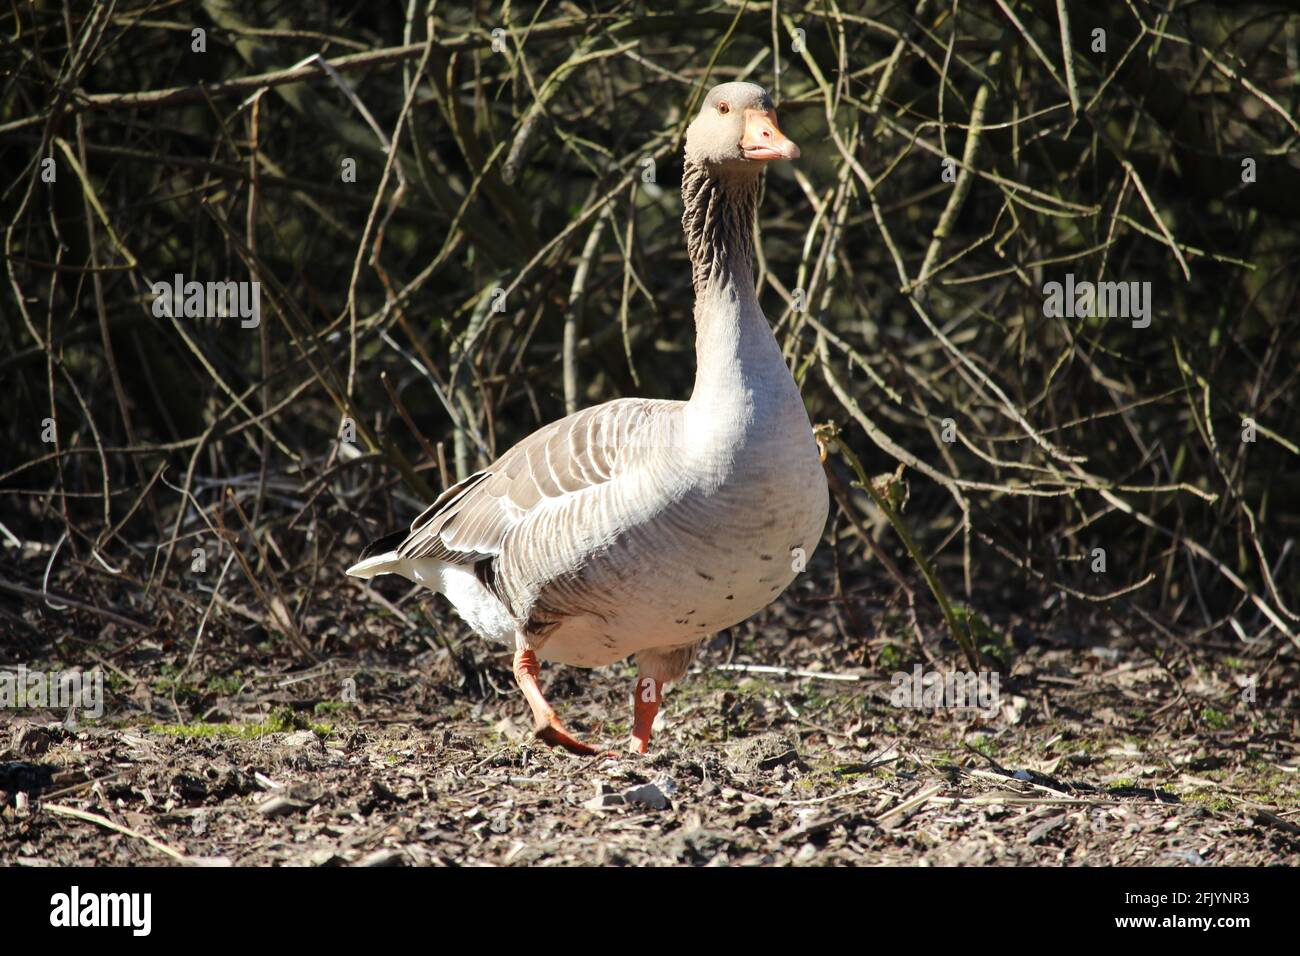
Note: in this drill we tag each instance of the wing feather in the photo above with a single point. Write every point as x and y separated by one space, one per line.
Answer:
469 522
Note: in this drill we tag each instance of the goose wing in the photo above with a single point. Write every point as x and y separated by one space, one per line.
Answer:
469 522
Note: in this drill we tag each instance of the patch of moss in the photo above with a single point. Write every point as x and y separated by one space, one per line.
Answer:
1076 745
814 702
1209 799
1216 719
330 706
706 683
280 721
993 643
891 658
1274 787
116 683
172 688
229 684
1257 760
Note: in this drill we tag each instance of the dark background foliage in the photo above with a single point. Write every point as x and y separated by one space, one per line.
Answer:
517 252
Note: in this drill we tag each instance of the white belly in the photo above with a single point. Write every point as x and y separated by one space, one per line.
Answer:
739 552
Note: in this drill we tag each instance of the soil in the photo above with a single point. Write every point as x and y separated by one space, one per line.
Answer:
401 740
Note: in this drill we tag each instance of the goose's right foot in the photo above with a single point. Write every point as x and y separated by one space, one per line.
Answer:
546 726
554 734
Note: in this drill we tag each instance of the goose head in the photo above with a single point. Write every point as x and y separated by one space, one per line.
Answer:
736 131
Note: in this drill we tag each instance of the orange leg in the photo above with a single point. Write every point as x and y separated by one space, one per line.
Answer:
546 725
648 694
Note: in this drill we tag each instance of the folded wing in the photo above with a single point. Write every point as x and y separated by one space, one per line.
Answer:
468 523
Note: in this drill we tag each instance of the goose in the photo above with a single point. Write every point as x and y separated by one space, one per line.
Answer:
644 526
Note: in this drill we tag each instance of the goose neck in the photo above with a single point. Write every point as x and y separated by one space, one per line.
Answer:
736 355
718 219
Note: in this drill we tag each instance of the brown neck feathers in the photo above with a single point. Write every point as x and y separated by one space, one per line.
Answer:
718 219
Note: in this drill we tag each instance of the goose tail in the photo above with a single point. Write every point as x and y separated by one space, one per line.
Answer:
380 557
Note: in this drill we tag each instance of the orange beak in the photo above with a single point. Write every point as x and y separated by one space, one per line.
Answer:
763 140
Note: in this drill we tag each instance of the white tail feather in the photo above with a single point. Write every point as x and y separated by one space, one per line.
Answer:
478 606
387 563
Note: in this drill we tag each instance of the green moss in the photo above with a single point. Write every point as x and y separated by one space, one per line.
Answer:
1215 718
708 682
1075 745
330 706
279 721
1209 799
171 688
1253 781
116 683
891 658
993 643
1257 760
1274 787
229 684
814 702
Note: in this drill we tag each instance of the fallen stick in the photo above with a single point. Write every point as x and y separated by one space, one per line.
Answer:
108 824
914 803
35 595
784 671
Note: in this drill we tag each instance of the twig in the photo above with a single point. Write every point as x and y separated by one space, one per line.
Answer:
106 823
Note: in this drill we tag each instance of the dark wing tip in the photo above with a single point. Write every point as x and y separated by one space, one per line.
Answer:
389 542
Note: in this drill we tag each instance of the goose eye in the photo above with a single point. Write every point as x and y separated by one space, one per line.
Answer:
724 108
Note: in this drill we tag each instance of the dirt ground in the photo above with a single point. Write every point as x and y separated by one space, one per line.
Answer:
1107 747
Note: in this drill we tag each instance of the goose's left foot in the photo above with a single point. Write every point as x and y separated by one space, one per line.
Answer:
554 734
645 708
546 726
